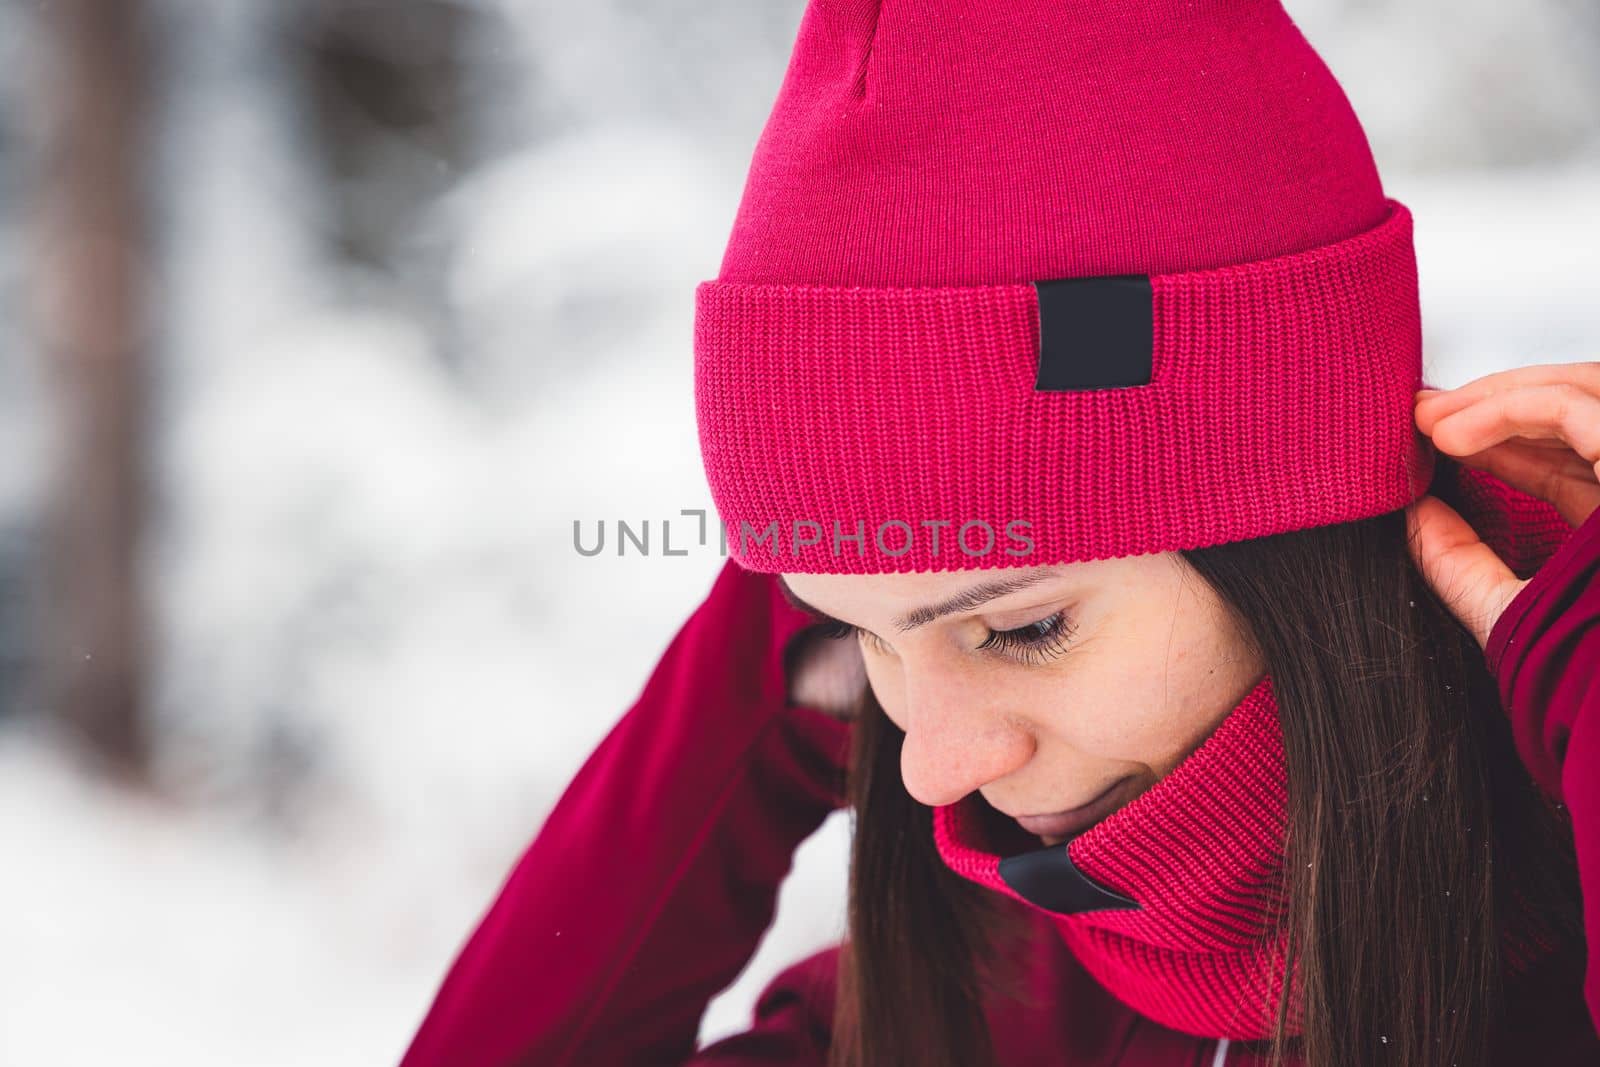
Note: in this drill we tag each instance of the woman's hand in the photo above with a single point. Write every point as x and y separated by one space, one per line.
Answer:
829 674
1535 428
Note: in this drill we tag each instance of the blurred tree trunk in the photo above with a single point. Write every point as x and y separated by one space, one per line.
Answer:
388 102
89 259
388 114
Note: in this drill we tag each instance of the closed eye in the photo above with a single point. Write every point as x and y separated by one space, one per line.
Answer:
1036 642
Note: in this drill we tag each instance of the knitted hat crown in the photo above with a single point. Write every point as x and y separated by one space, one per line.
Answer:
1039 281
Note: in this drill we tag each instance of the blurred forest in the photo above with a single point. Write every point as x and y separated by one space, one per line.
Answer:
323 320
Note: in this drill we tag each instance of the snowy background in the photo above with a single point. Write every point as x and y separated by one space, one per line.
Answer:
387 368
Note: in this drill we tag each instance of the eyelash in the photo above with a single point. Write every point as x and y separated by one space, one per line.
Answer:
1034 643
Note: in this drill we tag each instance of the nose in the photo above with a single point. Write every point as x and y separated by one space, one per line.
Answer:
956 740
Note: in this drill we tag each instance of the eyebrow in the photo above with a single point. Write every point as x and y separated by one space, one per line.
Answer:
966 600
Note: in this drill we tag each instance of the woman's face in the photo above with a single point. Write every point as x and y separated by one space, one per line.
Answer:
1043 687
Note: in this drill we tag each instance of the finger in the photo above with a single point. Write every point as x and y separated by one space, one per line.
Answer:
1471 581
1562 411
1585 375
1564 479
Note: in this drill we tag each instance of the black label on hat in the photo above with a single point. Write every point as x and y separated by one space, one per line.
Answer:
1094 333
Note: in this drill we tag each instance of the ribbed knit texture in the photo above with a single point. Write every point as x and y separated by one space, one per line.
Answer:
1280 398
1202 853
1202 849
868 352
968 142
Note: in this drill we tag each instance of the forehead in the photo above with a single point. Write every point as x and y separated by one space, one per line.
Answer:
922 584
921 597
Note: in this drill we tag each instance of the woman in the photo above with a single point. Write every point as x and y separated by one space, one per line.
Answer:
1196 710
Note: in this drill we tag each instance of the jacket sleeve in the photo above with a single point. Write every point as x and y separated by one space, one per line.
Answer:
655 875
793 1022
1544 651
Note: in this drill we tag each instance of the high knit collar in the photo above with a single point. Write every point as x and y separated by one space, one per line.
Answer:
1173 902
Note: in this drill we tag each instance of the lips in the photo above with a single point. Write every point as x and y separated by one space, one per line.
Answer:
1058 826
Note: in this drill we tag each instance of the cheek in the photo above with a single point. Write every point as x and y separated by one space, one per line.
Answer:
1133 715
1076 709
1150 701
1106 717
1152 720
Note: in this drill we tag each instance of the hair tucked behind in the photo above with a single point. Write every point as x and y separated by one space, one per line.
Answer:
1403 782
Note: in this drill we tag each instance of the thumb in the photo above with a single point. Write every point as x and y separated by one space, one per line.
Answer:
1473 582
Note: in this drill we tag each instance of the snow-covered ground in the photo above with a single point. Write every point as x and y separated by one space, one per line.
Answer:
380 657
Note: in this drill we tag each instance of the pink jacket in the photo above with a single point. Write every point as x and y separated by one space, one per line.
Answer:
652 881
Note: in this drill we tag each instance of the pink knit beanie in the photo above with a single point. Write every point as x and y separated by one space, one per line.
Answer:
1038 282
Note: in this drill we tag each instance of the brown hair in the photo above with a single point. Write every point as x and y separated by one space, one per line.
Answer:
1403 780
